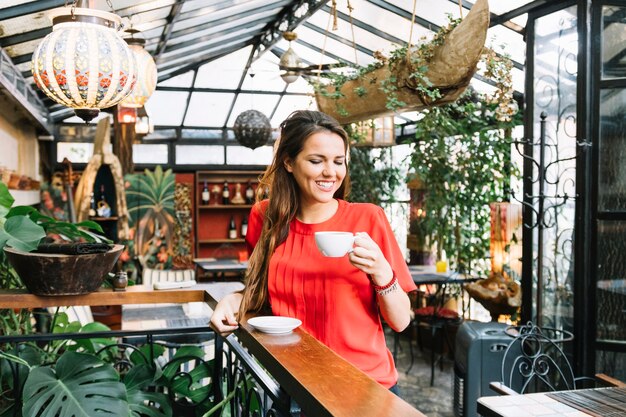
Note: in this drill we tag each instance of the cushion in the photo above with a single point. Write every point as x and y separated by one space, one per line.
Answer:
443 313
150 276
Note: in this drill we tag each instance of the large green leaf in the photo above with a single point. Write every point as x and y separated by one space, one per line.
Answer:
142 403
6 199
81 385
94 344
149 404
23 233
191 384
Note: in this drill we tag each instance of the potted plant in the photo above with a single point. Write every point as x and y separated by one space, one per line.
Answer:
431 73
22 229
92 376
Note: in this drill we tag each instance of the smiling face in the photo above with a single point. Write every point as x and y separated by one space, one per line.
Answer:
319 168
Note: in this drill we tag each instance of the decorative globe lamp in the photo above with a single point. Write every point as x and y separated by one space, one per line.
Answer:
146 72
252 129
84 63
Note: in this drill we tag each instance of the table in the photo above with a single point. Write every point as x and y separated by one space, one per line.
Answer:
217 267
168 315
576 403
426 275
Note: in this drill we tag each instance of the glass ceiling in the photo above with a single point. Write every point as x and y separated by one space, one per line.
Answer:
217 58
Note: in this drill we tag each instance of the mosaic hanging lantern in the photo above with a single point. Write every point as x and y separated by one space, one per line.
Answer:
252 129
146 72
84 63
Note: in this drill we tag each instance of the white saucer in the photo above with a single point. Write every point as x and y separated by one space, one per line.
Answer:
274 324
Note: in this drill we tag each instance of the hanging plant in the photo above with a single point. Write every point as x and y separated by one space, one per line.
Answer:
428 74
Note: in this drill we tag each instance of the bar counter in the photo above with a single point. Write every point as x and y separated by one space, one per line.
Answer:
319 380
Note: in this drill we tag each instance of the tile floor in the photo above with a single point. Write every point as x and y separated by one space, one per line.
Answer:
435 401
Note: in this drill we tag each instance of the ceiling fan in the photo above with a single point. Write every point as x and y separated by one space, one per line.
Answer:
292 67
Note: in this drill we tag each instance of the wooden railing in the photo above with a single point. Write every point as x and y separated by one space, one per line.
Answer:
307 374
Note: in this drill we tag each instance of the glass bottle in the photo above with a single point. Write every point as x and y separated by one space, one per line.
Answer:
92 205
205 194
104 209
244 226
225 194
249 194
232 229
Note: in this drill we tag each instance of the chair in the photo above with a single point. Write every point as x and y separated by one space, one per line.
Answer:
437 319
150 276
535 362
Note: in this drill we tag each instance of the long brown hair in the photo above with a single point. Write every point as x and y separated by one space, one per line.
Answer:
284 200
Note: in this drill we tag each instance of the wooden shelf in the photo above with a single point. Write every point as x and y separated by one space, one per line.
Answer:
225 206
212 241
104 219
212 220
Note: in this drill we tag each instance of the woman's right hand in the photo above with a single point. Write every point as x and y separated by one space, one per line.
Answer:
224 318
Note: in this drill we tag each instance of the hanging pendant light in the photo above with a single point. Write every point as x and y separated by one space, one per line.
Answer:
146 72
84 63
252 129
290 62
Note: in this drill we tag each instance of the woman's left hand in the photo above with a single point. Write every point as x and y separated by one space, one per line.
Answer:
368 257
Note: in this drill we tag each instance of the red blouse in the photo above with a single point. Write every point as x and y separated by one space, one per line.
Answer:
334 299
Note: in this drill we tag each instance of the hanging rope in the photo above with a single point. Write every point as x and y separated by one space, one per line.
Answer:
350 8
411 31
461 8
333 12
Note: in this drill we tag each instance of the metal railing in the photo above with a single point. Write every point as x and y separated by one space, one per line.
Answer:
224 376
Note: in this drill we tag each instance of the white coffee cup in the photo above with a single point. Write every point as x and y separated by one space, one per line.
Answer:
334 244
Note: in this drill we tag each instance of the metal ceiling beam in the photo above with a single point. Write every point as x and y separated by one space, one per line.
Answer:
193 81
206 47
167 30
145 7
360 24
229 19
508 24
337 38
287 20
29 8
25 37
407 15
224 90
241 81
201 60
505 17
219 34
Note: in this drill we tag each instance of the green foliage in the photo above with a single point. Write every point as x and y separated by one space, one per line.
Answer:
80 385
76 381
462 155
374 178
150 200
420 56
149 191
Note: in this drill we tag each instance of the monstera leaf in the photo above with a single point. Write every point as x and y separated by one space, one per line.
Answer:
145 403
80 385
21 233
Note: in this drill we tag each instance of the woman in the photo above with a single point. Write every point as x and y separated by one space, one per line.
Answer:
339 300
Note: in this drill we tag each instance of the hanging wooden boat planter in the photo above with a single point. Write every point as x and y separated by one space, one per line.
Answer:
450 70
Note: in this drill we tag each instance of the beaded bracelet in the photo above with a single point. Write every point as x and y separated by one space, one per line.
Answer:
386 291
387 288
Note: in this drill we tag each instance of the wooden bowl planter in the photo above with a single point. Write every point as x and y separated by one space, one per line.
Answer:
60 274
450 70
